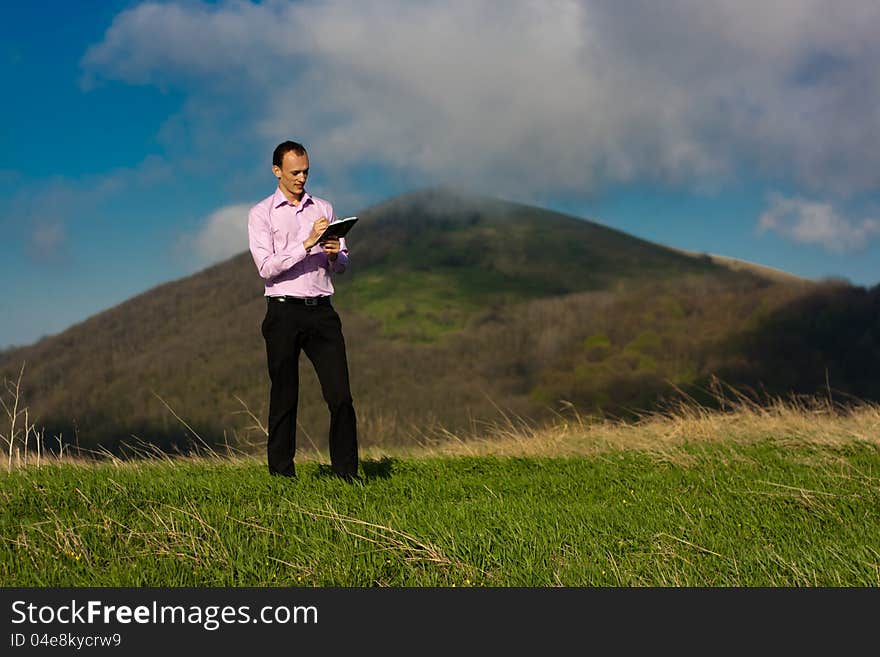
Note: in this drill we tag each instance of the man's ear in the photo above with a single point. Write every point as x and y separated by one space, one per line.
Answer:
276 170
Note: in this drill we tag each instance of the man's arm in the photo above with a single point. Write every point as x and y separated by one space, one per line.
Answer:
269 263
337 253
337 262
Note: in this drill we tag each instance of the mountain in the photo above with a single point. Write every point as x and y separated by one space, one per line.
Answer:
737 264
428 261
457 311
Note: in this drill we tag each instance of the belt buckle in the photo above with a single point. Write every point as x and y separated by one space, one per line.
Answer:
311 301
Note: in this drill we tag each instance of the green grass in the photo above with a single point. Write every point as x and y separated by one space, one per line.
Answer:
423 306
760 514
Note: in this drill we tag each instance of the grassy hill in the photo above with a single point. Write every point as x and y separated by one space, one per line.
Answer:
429 261
458 312
737 264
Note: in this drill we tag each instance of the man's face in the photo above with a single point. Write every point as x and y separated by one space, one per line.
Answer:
292 173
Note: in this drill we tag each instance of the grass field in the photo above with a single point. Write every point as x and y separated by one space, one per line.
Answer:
782 496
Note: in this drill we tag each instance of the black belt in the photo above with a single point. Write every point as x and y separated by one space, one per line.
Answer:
302 301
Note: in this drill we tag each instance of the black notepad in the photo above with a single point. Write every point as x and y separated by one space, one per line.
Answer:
338 228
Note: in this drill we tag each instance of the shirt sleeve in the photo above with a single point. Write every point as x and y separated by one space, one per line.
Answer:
269 263
341 263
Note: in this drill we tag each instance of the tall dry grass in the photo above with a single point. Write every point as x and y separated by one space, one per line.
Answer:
736 417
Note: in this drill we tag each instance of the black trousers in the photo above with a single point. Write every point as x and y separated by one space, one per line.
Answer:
289 329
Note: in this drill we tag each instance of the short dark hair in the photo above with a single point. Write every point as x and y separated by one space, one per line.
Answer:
286 147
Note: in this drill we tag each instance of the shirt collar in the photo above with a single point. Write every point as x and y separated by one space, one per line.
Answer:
280 199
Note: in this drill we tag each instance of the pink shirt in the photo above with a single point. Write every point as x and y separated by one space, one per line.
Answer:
276 232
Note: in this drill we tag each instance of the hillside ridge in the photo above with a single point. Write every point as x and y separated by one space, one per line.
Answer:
455 314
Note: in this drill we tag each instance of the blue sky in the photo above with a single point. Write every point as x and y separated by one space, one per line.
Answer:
136 134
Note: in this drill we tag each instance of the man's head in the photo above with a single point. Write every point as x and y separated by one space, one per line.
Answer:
290 164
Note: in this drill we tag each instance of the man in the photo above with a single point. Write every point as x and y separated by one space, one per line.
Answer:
283 232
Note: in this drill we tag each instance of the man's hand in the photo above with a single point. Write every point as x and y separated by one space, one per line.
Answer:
331 248
317 228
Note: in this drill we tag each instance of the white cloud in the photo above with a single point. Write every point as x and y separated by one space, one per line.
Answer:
48 239
221 235
43 215
531 97
812 222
